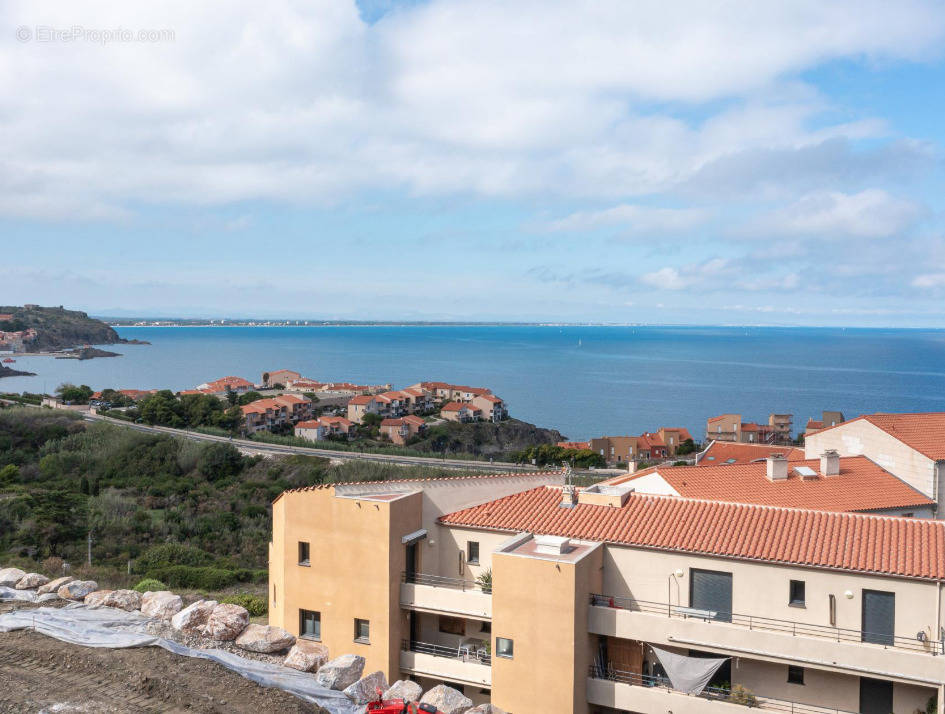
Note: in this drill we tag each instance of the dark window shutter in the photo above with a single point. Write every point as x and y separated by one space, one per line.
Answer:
712 590
879 617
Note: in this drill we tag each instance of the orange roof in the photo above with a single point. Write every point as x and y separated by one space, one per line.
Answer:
574 444
721 452
861 485
489 397
924 432
907 547
310 424
361 399
454 407
329 420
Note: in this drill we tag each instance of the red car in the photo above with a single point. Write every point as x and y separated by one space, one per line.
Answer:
399 706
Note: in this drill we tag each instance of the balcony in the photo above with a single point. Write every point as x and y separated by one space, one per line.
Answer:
832 648
637 692
438 594
465 664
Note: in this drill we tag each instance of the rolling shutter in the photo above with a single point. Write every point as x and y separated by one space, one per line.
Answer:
712 590
879 617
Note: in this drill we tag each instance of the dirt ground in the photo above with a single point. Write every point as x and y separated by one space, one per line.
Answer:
40 674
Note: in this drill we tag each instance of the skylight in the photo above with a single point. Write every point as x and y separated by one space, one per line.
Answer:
805 471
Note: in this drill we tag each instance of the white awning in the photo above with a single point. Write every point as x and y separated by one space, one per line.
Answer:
414 537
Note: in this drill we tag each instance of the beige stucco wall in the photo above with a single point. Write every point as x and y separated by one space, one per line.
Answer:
542 606
762 589
356 558
861 437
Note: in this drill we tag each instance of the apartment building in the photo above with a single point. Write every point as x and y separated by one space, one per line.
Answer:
540 597
618 450
402 429
279 376
324 427
493 408
391 404
444 392
827 419
730 427
831 483
460 411
911 446
222 386
719 453
275 413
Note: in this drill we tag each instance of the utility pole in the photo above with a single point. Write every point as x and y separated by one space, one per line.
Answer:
90 549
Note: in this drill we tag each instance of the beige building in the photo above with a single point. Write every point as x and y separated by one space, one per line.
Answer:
402 429
620 450
460 411
730 427
541 598
911 446
827 420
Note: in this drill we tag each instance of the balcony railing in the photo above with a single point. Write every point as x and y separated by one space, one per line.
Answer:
743 697
464 653
439 581
769 624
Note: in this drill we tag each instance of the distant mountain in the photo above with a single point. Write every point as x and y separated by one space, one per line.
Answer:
57 328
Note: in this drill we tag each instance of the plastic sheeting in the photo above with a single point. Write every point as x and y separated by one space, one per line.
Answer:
688 674
25 595
108 627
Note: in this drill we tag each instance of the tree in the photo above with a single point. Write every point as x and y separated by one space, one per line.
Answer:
249 397
162 408
219 460
68 392
116 398
370 420
686 447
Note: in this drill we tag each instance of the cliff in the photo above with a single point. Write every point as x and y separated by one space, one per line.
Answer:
58 328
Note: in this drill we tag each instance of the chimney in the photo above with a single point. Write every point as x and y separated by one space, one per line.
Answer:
632 466
568 496
830 463
777 467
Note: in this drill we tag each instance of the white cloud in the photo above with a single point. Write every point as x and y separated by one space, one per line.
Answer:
305 102
929 280
872 213
632 219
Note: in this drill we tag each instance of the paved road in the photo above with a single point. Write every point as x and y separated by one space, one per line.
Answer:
258 447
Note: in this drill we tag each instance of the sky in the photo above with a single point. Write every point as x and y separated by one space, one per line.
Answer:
732 162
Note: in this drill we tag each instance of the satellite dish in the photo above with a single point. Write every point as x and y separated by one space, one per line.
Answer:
921 636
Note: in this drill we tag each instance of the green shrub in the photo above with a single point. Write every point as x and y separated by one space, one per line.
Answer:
167 554
150 584
255 604
187 576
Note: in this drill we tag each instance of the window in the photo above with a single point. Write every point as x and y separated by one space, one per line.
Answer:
797 594
485 627
362 630
503 647
472 552
452 625
795 675
310 624
711 590
303 553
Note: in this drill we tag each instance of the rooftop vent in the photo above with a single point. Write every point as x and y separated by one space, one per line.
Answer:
569 497
552 545
777 467
830 463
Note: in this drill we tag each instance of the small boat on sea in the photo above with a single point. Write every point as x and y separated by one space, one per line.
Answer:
9 360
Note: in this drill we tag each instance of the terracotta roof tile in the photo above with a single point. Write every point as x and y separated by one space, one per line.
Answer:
906 547
924 432
719 452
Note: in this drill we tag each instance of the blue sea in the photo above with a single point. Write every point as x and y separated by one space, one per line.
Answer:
583 381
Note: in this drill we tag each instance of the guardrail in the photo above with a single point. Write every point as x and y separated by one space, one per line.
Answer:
466 653
439 581
769 624
737 696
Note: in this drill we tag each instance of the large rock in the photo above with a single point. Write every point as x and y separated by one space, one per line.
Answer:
162 604
486 709
54 585
264 638
447 700
226 622
97 599
341 672
31 580
192 619
9 577
306 656
405 689
367 689
77 589
128 600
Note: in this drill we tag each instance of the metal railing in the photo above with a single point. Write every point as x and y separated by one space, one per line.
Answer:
439 581
770 624
464 653
737 695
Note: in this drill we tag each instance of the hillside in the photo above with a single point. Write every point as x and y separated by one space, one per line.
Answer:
58 328
485 439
